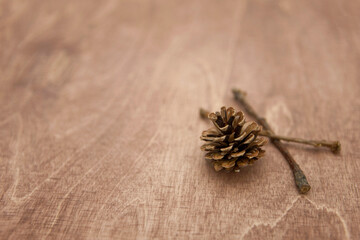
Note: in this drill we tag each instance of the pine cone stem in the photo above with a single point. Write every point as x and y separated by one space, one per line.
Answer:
299 176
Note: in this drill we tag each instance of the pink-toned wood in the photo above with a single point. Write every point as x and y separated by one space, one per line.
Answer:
99 125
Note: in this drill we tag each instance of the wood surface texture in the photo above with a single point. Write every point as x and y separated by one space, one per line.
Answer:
99 125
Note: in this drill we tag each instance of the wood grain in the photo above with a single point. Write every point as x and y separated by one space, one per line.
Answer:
99 118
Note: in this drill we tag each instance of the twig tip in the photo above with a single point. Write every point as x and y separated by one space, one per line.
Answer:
238 92
336 148
203 113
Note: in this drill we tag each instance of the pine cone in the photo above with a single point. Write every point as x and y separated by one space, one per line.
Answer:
233 143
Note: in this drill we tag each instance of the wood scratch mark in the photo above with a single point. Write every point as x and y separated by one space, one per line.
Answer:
336 212
273 224
7 119
235 36
136 162
17 171
22 199
69 191
277 111
18 200
209 81
126 205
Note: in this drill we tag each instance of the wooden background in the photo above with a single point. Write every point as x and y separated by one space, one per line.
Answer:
99 125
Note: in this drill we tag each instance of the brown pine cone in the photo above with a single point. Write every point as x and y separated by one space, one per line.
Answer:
233 143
